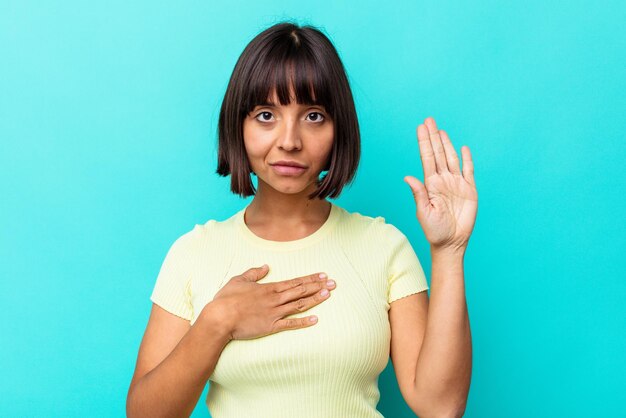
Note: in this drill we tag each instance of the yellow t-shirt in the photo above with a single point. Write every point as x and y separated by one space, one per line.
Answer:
329 369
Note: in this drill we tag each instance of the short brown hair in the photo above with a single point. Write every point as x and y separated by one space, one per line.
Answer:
301 56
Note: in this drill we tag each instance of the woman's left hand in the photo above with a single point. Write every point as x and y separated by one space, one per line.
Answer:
447 205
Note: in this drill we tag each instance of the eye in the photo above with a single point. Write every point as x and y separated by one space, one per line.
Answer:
319 118
262 113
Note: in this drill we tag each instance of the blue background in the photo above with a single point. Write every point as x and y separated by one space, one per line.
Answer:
108 119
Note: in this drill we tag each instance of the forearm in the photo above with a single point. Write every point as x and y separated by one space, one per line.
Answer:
173 388
443 370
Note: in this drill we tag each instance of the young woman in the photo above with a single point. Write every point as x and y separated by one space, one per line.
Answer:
234 300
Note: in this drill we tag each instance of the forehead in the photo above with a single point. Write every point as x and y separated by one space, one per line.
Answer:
274 101
297 84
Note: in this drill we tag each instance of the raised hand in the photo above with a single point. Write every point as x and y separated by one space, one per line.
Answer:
447 201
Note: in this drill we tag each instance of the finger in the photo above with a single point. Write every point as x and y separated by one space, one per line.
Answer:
468 165
298 281
426 151
435 140
420 194
255 273
303 290
451 155
303 304
294 323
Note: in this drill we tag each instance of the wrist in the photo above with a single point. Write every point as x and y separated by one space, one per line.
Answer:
448 254
215 321
449 250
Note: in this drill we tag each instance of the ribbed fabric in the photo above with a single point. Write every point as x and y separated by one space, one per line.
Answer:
326 370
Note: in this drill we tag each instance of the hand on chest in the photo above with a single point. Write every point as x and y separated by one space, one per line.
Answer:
351 336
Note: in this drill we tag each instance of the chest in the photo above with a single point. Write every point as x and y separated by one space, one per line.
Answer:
351 337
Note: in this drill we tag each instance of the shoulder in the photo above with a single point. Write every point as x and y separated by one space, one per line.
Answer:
374 229
193 236
195 239
211 229
213 238
358 222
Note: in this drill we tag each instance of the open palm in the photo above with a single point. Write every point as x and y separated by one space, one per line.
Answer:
447 202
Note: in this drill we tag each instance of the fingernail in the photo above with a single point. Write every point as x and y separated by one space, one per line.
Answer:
323 275
330 283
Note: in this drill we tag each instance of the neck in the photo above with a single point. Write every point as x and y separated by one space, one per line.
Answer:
282 208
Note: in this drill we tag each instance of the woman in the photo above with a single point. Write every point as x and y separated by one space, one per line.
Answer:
227 290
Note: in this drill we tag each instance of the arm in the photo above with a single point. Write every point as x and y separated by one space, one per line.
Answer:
444 365
175 361
447 204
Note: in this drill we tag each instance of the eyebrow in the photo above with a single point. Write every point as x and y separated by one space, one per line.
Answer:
272 104
267 103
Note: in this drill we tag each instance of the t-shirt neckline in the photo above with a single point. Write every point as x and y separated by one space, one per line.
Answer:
321 232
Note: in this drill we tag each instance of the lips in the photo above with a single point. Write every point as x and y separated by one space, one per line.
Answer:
286 170
287 163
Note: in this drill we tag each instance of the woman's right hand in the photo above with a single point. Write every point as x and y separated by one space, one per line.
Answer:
253 310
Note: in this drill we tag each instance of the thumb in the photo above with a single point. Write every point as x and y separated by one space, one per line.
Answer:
256 273
419 193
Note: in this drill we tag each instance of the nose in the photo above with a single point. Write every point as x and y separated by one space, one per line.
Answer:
289 138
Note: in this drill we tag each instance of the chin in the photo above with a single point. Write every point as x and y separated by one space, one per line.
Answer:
289 189
290 185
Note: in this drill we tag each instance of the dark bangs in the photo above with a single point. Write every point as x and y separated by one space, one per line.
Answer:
284 57
286 66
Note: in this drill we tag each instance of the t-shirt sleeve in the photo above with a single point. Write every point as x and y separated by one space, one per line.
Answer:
405 273
172 290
